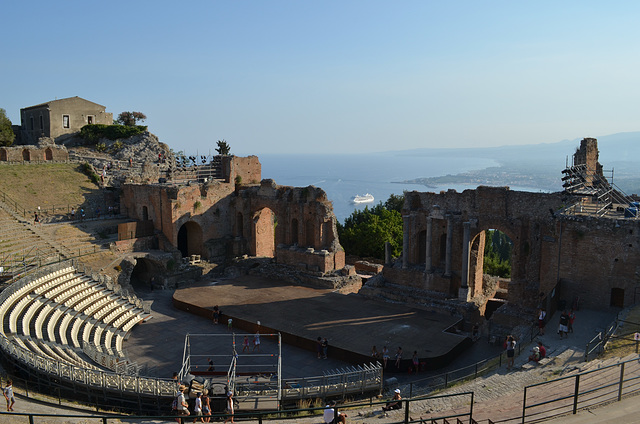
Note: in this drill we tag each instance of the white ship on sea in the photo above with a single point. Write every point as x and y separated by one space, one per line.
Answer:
367 198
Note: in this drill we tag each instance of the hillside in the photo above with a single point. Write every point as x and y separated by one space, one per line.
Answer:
50 186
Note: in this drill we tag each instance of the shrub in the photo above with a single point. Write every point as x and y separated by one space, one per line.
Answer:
88 171
101 147
94 132
117 146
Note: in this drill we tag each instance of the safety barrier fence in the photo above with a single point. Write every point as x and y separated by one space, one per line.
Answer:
585 390
407 414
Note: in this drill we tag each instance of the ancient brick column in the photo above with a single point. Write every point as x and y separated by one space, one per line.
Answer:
405 241
447 264
427 266
466 236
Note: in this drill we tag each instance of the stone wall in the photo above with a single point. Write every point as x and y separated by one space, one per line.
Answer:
222 219
32 153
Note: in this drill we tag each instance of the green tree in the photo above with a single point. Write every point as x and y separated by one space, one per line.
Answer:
130 119
6 132
365 232
497 254
223 148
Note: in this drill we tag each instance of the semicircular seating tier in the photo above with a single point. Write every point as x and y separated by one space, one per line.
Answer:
67 316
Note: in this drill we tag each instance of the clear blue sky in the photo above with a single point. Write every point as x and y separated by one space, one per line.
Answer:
333 76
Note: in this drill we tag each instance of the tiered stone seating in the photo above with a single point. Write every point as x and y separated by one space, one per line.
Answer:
63 311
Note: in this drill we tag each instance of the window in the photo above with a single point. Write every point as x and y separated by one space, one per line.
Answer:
89 119
31 123
65 121
41 123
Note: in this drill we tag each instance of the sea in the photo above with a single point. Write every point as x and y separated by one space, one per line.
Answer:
380 174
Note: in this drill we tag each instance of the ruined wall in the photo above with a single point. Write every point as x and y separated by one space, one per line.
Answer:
31 153
224 219
595 258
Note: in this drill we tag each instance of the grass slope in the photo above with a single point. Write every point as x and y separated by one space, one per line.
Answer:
59 185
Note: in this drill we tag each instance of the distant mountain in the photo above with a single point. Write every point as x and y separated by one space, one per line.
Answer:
539 166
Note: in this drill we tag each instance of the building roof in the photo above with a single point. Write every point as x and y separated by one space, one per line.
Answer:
60 100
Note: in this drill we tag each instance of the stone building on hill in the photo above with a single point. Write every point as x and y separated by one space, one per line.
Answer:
57 118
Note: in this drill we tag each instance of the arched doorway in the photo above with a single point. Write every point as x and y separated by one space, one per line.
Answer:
48 154
190 239
26 154
490 264
144 273
264 230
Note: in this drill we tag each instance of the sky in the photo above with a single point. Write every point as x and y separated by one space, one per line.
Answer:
274 76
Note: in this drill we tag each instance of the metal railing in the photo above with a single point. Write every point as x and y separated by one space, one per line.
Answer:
588 389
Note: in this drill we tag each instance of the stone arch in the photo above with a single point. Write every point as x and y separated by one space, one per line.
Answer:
3 155
294 231
26 155
48 154
190 239
476 257
309 233
144 272
264 231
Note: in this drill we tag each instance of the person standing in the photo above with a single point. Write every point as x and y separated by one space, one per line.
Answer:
182 407
197 409
542 315
398 357
415 361
216 314
572 317
385 356
245 344
325 347
256 341
229 407
206 408
563 328
319 347
511 351
8 395
374 352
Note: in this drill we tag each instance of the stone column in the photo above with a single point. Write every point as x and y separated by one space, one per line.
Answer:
466 235
405 241
447 263
427 266
387 253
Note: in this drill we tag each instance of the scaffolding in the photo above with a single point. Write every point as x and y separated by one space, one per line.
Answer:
218 360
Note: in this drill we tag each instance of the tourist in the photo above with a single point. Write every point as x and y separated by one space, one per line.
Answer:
319 347
245 344
211 367
197 409
535 355
325 347
36 219
230 324
256 341
542 315
73 214
398 357
511 351
563 327
572 318
475 332
395 403
206 408
374 352
385 356
8 395
229 407
216 314
415 362
330 415
182 407
542 350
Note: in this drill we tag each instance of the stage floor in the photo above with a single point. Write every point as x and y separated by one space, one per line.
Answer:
352 324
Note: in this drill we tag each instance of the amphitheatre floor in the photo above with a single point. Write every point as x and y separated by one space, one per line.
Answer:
351 323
